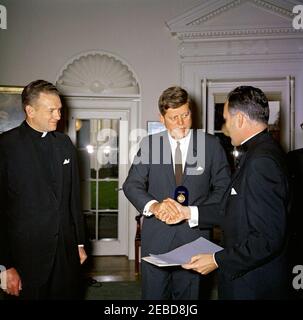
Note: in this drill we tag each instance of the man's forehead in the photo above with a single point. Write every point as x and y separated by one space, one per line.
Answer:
50 99
45 94
45 103
181 109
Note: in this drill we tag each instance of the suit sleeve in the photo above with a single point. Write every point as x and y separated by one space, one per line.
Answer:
295 163
5 256
135 186
76 207
210 210
265 208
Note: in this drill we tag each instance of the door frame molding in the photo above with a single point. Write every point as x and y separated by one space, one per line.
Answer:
122 105
283 86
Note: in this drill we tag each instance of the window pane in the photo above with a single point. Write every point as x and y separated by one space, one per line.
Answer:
90 223
108 195
108 225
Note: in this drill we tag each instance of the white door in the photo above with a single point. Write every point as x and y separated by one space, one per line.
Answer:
101 139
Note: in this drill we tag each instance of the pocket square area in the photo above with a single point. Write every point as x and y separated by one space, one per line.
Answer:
66 161
233 191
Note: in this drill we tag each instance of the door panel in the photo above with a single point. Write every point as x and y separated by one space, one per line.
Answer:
98 139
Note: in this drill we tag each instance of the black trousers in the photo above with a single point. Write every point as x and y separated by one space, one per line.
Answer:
173 283
64 282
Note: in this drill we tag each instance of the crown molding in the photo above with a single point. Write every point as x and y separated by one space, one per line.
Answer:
240 34
200 23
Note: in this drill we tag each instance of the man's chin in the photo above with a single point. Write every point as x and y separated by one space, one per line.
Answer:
52 128
179 133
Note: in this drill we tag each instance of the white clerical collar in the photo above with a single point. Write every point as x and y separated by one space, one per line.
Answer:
36 132
251 136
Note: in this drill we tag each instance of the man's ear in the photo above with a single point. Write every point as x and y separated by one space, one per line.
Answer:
240 119
30 111
161 117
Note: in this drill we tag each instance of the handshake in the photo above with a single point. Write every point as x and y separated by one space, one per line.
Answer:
170 211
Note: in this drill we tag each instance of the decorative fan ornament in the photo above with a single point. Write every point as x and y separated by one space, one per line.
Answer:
97 74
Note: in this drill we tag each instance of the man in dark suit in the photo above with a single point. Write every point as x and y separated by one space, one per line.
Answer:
295 164
154 176
253 216
41 224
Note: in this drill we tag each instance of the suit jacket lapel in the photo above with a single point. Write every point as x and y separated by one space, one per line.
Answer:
241 165
250 144
249 147
191 155
230 186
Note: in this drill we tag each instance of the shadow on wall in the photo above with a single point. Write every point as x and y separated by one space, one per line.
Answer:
196 116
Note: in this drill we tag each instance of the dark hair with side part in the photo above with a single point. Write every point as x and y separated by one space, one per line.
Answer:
251 101
32 91
173 97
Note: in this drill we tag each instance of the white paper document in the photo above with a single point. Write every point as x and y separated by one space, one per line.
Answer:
183 253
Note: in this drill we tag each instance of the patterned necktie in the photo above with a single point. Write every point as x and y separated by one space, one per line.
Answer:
178 164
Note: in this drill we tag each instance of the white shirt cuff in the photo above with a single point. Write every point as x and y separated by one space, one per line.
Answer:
81 245
194 216
146 211
215 261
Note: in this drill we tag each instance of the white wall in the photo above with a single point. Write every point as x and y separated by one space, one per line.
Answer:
43 35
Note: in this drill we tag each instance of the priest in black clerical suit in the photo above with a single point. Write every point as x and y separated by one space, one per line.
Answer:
295 248
253 213
41 224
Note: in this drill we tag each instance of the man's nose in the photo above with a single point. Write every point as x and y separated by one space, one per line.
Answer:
57 115
180 120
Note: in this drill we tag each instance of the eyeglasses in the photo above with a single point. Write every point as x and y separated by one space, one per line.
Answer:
183 116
